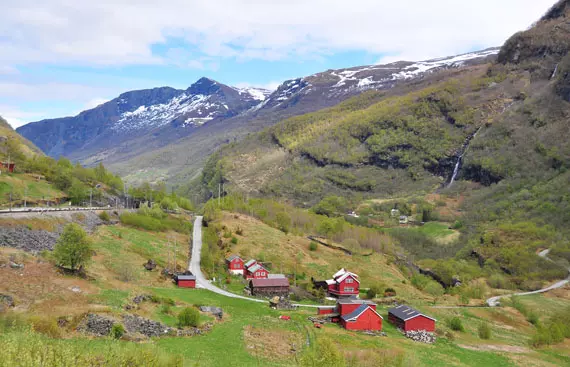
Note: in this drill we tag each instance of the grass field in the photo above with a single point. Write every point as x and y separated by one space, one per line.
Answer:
252 333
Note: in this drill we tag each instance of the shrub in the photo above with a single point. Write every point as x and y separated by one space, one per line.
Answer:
104 216
46 326
313 246
188 317
239 231
227 234
434 288
457 224
117 331
73 248
456 324
389 292
234 240
484 331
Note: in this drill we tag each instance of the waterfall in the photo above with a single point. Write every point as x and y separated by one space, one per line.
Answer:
460 156
554 72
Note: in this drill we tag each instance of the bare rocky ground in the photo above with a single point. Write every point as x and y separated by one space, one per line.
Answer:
22 237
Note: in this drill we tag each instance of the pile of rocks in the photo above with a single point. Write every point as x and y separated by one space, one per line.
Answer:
146 327
281 303
421 336
142 298
216 311
6 301
150 265
23 238
96 324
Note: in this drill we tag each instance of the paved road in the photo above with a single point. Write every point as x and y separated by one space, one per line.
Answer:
194 266
494 301
201 281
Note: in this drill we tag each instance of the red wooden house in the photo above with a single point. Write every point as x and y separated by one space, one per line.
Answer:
343 284
7 166
186 281
235 264
408 319
255 271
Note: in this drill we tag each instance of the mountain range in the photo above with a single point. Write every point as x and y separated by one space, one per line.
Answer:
166 133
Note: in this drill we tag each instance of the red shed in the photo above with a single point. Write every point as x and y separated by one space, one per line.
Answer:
8 166
326 310
235 264
363 318
348 305
408 319
186 281
255 272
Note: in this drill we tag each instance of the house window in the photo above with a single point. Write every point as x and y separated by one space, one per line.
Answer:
349 289
349 280
257 274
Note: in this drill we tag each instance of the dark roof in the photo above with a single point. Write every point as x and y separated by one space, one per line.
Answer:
272 282
186 277
354 314
232 258
348 301
406 313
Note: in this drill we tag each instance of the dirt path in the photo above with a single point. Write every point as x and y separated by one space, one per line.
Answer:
494 301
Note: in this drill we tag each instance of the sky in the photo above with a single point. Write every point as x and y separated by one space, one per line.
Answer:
60 57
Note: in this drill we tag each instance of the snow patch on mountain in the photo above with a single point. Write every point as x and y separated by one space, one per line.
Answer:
145 117
257 94
421 67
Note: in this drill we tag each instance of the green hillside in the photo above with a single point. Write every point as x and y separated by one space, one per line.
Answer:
13 145
509 117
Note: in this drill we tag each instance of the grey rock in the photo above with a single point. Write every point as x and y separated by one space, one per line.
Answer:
6 301
149 328
96 325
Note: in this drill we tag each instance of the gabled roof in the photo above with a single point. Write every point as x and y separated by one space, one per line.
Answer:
349 301
354 315
250 263
275 282
232 258
407 313
255 268
339 273
346 275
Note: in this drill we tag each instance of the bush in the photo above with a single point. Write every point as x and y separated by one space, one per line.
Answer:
456 324
227 234
313 246
189 317
46 326
389 292
117 331
73 248
104 216
239 231
484 331
234 240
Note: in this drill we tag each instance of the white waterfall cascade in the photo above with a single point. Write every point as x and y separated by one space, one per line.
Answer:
458 164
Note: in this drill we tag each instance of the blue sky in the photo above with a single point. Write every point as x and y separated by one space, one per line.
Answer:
58 58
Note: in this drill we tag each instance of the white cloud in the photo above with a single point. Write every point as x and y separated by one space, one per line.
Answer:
17 118
94 103
122 32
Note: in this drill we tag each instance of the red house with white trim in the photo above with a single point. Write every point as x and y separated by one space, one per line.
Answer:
407 318
343 284
254 270
235 264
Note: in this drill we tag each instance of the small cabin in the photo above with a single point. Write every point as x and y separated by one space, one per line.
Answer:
235 264
186 281
409 319
7 166
269 287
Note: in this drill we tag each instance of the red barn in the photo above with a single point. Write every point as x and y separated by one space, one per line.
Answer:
364 317
349 305
409 319
343 284
235 264
7 166
186 281
256 272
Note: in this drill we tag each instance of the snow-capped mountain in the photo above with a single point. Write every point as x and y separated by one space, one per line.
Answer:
170 122
141 112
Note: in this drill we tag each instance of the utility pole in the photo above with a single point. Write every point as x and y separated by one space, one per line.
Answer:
25 195
175 250
91 198
223 191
